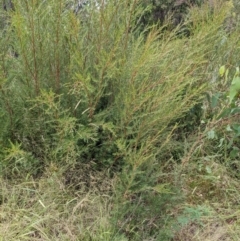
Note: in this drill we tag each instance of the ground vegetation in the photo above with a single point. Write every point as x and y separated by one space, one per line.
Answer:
118 127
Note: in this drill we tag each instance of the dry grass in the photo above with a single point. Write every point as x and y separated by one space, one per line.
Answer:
55 208
217 227
46 209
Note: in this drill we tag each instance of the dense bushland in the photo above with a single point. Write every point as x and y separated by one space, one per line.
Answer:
93 87
97 98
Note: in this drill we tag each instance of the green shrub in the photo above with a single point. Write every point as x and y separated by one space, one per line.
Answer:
97 89
93 88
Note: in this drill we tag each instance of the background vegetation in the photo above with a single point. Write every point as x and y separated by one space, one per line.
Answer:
120 122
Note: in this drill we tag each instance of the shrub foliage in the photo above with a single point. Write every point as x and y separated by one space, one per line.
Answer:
97 88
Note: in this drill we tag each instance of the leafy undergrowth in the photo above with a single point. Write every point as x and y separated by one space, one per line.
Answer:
211 210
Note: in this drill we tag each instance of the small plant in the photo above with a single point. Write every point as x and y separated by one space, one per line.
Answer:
227 115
